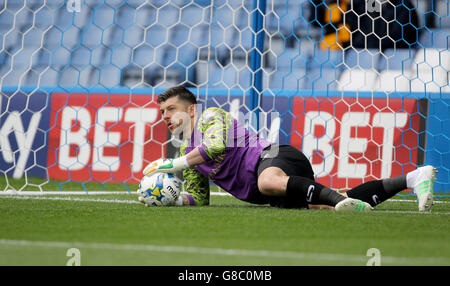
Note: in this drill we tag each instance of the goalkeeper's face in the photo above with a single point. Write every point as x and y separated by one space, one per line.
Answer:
178 115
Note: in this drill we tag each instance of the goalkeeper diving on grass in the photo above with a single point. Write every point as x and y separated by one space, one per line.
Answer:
217 147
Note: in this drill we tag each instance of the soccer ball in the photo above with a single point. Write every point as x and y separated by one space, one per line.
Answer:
160 189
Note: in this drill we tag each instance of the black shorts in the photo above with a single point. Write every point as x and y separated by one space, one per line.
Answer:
293 162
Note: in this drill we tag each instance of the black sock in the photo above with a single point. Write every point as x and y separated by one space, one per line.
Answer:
376 192
394 185
301 189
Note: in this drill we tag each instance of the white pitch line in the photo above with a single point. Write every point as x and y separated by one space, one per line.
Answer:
411 212
23 197
65 193
339 257
415 201
81 193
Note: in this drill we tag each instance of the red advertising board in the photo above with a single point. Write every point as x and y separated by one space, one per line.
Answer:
103 137
353 140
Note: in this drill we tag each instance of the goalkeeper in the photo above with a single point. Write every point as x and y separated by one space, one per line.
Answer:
216 147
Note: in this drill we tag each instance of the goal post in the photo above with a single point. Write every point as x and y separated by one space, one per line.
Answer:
360 86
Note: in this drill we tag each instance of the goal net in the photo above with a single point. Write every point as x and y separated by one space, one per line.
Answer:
360 86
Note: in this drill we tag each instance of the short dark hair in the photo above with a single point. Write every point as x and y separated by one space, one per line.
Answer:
180 91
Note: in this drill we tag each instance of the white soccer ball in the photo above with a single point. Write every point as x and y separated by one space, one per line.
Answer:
160 189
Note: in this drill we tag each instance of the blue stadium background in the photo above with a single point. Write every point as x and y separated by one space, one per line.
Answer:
110 43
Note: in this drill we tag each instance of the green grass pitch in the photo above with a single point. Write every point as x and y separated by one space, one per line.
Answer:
114 229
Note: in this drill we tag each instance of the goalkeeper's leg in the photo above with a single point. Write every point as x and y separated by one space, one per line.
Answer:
288 180
420 180
299 192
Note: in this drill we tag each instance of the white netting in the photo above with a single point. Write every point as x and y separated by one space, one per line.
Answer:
359 86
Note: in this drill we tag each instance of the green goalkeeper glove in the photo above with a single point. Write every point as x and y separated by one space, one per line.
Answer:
166 166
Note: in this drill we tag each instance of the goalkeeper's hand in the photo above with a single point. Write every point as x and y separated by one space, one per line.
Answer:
166 166
148 201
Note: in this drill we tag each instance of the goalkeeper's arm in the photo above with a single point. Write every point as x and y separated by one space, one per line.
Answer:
197 185
175 165
197 188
